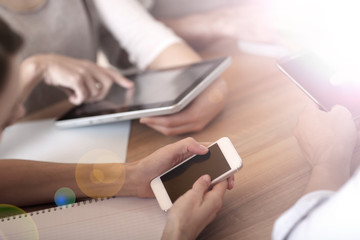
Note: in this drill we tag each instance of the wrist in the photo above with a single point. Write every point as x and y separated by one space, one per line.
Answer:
32 71
327 177
332 169
130 185
335 158
173 232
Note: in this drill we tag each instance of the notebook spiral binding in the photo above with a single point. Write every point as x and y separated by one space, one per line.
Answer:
30 214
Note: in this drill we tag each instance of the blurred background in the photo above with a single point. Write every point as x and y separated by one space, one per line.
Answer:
270 27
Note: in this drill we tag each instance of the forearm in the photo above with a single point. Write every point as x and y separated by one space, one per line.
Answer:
175 55
26 182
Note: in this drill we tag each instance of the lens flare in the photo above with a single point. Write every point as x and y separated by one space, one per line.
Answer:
25 229
9 210
100 173
97 176
64 196
3 236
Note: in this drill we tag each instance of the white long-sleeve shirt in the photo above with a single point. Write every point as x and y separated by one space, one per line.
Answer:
139 33
323 215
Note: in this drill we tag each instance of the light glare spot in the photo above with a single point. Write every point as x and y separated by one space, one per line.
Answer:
64 196
100 173
25 225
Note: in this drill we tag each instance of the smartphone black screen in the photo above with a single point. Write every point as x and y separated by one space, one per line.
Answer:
180 179
321 82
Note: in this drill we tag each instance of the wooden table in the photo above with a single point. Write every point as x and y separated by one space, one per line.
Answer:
259 118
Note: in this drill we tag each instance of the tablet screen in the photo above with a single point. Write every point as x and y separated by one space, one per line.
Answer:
322 83
152 89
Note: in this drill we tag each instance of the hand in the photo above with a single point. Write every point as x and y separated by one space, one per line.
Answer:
196 116
162 160
193 211
82 80
326 137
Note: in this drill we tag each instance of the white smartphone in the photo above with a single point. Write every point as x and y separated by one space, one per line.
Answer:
220 162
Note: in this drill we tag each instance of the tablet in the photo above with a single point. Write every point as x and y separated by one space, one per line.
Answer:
321 82
155 93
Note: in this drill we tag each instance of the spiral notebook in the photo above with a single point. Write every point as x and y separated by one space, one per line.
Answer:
114 218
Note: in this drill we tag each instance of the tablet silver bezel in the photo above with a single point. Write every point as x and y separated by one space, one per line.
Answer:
114 117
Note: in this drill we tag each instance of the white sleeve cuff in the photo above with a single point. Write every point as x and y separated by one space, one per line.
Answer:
302 208
152 50
137 31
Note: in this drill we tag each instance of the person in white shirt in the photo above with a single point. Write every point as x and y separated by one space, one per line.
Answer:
62 41
330 206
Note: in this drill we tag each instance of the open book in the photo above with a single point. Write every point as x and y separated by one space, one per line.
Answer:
114 218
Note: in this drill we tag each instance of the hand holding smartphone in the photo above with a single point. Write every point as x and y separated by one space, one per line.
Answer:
220 162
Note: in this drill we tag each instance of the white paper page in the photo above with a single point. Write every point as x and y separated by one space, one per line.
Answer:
41 140
116 218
